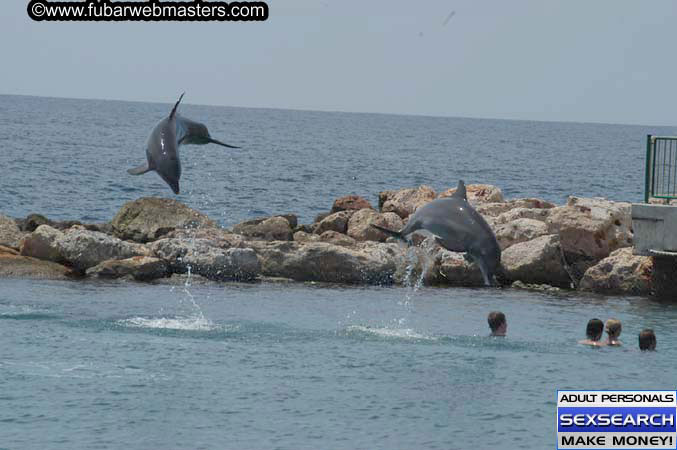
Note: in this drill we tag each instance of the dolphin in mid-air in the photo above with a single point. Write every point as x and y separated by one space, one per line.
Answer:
162 149
458 228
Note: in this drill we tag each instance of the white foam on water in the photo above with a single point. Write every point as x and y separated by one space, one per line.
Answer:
164 323
398 333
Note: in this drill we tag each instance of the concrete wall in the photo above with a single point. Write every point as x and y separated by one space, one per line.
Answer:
654 227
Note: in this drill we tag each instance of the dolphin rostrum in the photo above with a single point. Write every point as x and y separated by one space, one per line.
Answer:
458 228
162 149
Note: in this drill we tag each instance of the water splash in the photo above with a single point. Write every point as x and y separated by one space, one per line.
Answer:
388 333
165 323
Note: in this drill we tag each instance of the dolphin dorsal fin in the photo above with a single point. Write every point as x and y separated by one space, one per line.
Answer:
460 191
173 113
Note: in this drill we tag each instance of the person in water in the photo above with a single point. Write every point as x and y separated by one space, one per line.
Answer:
613 330
594 332
497 323
647 340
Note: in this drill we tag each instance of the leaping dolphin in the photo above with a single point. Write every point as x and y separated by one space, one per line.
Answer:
162 149
458 228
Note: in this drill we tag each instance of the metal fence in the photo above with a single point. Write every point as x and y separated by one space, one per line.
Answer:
661 168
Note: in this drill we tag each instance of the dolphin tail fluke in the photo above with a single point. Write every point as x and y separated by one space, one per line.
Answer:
488 277
173 113
139 170
214 141
393 233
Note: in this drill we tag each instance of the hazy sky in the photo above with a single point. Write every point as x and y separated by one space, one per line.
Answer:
572 60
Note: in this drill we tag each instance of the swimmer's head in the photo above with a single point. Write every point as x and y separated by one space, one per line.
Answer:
647 340
594 329
613 328
497 323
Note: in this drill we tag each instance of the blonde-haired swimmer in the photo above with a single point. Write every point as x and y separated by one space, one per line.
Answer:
613 330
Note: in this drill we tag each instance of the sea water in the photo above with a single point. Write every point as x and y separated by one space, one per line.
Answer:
86 365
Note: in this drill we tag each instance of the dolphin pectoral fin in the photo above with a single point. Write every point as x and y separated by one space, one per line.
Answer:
139 170
214 141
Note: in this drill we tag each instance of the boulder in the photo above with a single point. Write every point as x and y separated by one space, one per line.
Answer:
619 273
84 249
78 247
478 193
336 238
590 229
217 237
350 203
359 225
522 213
302 236
10 234
150 218
320 217
275 228
201 257
519 230
33 221
405 201
141 268
13 265
454 269
42 244
370 263
538 261
334 222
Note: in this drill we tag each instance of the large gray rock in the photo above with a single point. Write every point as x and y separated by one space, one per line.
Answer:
78 247
10 234
13 265
370 263
217 237
268 229
200 256
538 261
590 229
150 218
404 202
360 229
84 249
141 268
334 222
519 230
619 273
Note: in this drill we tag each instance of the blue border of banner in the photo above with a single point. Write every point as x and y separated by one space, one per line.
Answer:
599 390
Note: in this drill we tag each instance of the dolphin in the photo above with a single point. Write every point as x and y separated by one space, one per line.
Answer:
457 227
162 149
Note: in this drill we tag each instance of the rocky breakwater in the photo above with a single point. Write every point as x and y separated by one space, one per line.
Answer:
584 244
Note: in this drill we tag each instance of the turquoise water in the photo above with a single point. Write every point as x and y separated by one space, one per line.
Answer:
88 365
126 365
